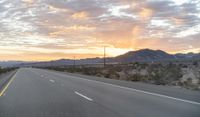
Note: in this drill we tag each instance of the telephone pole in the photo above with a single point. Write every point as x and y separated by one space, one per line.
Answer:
104 56
74 65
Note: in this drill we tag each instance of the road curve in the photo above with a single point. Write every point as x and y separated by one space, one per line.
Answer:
43 93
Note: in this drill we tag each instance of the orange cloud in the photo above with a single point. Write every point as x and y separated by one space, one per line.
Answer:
80 15
52 8
118 39
137 31
28 1
146 13
61 30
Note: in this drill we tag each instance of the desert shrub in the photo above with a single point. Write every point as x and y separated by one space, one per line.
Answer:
117 68
136 77
110 73
143 65
185 66
134 65
89 70
164 75
4 70
189 85
195 63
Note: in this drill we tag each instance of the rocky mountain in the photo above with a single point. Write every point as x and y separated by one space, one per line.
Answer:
144 55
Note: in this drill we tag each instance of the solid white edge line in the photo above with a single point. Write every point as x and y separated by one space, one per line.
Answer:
83 96
132 89
145 92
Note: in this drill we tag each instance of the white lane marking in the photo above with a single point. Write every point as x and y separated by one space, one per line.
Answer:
53 81
145 92
132 89
83 96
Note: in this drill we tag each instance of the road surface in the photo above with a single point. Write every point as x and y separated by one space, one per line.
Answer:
43 93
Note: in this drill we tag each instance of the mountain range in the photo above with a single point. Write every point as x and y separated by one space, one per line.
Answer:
144 55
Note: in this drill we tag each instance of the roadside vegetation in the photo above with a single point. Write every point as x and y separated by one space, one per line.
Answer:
5 70
179 74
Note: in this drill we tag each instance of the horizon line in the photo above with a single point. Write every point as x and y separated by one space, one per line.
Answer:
172 53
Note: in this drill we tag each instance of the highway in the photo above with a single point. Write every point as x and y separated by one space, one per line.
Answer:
43 93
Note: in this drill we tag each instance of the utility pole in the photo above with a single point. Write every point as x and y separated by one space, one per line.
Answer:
104 56
74 65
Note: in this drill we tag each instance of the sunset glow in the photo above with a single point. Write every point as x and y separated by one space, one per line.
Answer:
39 30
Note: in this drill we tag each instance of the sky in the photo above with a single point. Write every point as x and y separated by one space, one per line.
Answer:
40 30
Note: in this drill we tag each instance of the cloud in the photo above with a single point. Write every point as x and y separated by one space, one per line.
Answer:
145 13
28 1
61 31
122 25
81 15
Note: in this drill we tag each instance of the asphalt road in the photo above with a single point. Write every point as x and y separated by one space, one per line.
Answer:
4 78
42 93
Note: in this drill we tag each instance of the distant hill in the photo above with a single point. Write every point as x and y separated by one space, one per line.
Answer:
188 56
64 62
144 55
10 63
